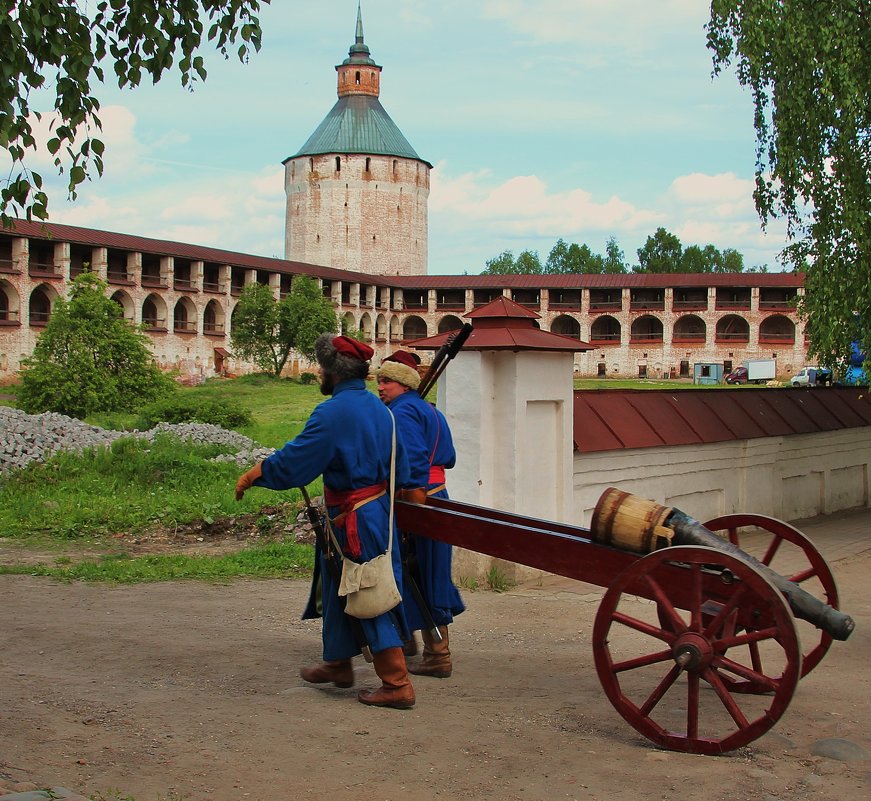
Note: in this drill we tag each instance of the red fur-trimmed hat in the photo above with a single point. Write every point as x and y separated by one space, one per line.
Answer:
351 347
402 368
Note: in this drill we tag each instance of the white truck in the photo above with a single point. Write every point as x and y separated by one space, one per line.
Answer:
756 371
812 377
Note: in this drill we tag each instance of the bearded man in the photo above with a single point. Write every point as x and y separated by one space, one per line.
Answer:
348 439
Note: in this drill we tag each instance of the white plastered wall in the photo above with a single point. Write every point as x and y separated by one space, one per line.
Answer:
511 419
789 478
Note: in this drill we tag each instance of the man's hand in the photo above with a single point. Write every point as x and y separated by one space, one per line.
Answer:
247 479
415 495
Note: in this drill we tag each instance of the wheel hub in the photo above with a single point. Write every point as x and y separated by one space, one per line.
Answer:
692 652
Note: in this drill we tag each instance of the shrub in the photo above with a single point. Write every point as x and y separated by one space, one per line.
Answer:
307 378
89 359
191 409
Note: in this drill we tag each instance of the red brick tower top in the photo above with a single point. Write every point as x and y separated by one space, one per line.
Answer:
359 74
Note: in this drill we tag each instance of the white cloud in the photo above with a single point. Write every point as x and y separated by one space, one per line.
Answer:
232 211
719 209
476 214
704 190
625 25
525 204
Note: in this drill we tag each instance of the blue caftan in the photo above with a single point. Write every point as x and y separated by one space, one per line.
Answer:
347 439
428 443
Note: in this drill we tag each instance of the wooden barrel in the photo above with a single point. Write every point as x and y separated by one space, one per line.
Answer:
630 523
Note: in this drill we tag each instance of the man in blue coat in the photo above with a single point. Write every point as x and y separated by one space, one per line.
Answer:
348 439
427 439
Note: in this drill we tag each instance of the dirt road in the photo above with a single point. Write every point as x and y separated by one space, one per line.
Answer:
191 691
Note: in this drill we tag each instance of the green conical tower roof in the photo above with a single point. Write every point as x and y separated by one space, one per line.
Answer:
358 123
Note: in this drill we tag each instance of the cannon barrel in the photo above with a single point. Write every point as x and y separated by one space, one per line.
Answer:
688 531
637 524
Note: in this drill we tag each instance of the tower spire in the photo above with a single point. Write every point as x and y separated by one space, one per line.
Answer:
358 73
359 52
359 35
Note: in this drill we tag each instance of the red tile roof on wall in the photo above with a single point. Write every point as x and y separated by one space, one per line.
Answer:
631 280
607 420
161 247
97 238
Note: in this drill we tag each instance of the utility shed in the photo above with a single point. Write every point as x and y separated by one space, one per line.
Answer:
707 373
787 453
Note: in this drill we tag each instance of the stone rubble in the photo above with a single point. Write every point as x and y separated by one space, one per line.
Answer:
27 791
26 438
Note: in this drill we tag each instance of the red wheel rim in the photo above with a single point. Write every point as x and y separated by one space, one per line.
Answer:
672 682
813 575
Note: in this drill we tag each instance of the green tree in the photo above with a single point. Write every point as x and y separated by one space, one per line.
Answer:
614 262
695 260
578 259
527 263
808 67
661 253
266 330
710 259
558 258
90 359
503 264
58 47
732 262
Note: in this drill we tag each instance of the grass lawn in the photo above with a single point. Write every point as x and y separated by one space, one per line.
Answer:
99 500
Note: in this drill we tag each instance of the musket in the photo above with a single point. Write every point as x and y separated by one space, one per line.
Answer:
335 571
444 354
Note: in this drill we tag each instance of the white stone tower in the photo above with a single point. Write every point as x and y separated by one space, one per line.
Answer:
356 190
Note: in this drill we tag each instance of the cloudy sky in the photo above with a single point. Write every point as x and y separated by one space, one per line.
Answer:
580 119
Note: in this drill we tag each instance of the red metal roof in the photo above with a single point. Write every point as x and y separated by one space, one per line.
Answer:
109 239
616 419
94 237
631 280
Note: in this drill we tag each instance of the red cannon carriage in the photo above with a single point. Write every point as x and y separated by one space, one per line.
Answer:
695 640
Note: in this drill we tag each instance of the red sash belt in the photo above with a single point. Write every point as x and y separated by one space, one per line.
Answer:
437 477
349 501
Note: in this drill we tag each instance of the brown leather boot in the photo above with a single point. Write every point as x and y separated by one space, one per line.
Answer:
409 647
436 661
340 673
395 690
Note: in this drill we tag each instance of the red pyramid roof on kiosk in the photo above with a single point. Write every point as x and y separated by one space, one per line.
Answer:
503 324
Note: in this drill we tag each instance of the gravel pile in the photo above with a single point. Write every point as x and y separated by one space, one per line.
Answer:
26 438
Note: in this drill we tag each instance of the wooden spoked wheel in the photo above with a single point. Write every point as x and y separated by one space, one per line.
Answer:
790 553
672 682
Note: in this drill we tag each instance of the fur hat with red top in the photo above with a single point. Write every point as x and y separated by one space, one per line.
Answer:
400 367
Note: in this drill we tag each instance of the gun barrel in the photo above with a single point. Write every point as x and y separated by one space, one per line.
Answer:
688 531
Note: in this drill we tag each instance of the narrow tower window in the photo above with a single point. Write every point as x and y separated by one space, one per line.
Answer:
368 163
311 165
338 164
358 77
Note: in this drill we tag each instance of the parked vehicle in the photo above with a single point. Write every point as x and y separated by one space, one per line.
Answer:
812 377
757 371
